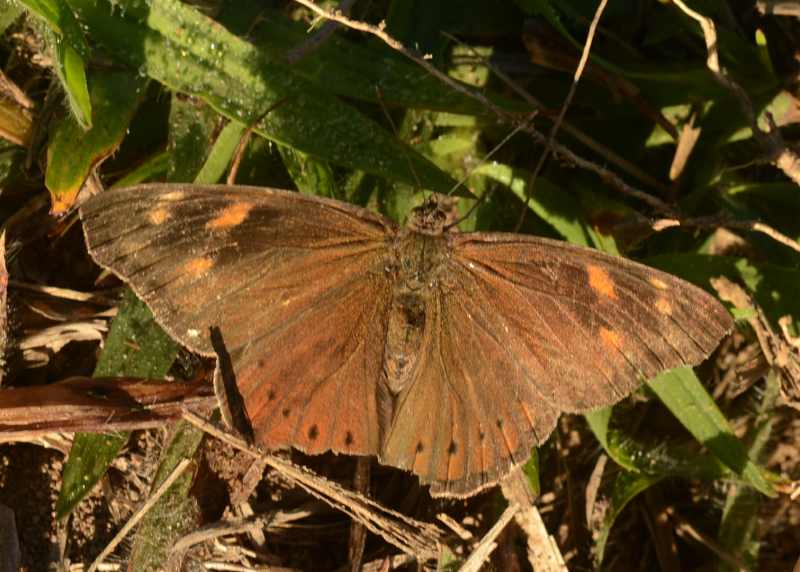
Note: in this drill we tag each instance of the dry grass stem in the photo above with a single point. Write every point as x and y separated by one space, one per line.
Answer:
771 141
587 46
140 513
419 539
487 544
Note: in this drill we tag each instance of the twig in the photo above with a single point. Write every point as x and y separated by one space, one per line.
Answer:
543 552
379 32
487 544
557 123
779 7
779 352
139 514
320 37
717 221
419 539
237 526
686 529
771 141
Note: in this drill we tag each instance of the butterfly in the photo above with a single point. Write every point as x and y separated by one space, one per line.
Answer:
446 354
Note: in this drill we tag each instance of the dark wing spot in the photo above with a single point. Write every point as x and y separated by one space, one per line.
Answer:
420 447
260 363
286 412
481 435
451 450
348 438
271 395
313 433
499 423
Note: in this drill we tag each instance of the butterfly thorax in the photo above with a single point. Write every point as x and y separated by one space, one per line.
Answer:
418 267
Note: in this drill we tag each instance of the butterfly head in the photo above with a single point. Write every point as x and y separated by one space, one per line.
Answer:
431 217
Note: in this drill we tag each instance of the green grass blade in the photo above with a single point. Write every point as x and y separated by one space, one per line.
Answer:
175 513
65 36
182 48
73 152
687 399
135 347
221 154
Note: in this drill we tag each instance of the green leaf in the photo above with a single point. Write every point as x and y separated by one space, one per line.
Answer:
687 399
175 513
70 69
221 154
65 36
150 169
626 487
550 203
311 176
738 528
182 48
135 347
73 152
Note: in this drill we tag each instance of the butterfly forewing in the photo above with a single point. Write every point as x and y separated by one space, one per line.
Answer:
590 326
297 286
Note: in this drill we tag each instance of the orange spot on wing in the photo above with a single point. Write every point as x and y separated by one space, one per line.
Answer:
600 281
610 338
658 283
159 216
198 266
231 216
663 306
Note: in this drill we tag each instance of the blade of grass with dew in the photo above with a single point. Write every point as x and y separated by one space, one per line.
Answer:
135 347
363 71
737 529
684 395
64 35
185 50
73 152
310 175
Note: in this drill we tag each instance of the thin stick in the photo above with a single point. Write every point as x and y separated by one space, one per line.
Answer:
139 514
379 32
717 222
771 141
316 40
487 544
412 537
570 95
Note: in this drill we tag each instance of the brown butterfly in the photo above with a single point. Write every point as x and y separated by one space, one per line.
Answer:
446 354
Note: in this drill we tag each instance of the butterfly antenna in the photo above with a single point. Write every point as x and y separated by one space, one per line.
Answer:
523 125
392 124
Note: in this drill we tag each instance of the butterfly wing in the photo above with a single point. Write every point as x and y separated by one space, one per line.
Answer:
295 284
523 329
